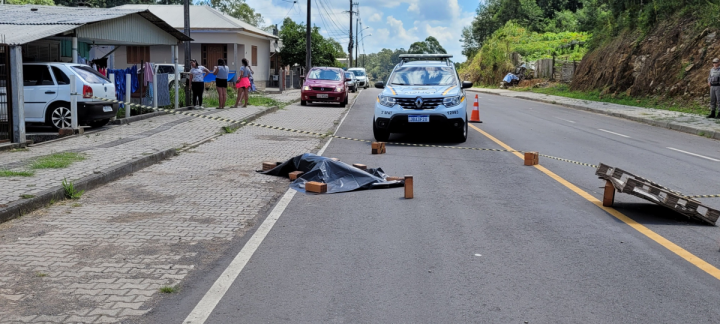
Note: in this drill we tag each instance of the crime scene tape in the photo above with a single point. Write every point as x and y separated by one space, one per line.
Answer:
223 119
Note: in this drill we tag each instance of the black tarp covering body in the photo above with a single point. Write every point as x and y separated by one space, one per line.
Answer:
339 176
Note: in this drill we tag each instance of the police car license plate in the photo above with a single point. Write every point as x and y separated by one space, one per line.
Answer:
418 119
107 108
321 95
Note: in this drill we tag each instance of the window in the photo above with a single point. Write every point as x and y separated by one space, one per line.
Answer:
60 76
138 54
254 56
323 74
89 75
162 69
358 72
36 75
428 76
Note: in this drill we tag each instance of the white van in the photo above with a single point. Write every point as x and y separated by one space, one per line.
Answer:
47 94
361 77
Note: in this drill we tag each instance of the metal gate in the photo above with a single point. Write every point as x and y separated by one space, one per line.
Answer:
5 95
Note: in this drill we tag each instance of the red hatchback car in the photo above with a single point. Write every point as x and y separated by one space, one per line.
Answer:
324 84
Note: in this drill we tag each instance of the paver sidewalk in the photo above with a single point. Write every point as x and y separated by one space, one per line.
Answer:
110 148
684 122
103 258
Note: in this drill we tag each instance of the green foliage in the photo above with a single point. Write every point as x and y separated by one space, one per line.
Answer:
9 173
70 191
379 65
325 51
429 46
492 62
56 160
238 9
31 2
168 289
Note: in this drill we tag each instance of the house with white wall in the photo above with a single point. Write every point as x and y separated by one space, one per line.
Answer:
216 35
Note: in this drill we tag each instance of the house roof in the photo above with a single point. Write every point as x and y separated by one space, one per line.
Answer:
202 17
44 21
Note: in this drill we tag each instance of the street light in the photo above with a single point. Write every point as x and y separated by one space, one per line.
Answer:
357 41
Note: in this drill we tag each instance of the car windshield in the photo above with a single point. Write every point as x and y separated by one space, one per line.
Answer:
348 75
428 76
90 75
358 72
319 74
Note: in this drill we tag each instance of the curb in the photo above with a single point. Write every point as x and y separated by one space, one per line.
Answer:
664 124
21 207
125 121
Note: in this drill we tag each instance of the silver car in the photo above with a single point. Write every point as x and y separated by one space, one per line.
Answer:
352 84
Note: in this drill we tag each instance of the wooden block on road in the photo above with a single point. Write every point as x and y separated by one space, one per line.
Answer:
360 166
608 194
408 187
532 158
316 187
268 165
295 174
378 147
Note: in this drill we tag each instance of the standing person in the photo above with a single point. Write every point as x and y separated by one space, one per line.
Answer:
198 73
243 83
714 83
221 72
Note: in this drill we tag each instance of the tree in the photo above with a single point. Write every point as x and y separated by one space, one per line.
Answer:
325 51
238 9
429 46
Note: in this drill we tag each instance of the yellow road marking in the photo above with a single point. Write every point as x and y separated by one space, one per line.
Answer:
674 248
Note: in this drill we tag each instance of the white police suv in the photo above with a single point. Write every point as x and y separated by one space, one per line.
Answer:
423 91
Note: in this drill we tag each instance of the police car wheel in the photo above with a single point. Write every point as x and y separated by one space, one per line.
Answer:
461 135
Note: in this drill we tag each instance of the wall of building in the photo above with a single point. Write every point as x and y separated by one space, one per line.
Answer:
162 54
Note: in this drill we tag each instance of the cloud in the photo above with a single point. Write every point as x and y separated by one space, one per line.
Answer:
413 7
376 17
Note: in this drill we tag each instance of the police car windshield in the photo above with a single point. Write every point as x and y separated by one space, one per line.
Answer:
424 75
324 75
358 72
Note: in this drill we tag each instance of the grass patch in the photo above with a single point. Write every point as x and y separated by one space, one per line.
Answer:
229 129
40 274
168 289
57 160
210 99
673 104
26 196
70 191
9 173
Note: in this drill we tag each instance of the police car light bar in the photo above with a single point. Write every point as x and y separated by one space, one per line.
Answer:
441 57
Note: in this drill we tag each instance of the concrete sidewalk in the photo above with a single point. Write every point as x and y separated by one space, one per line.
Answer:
109 153
104 257
684 122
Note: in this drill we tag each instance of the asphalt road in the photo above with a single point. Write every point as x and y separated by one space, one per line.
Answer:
486 239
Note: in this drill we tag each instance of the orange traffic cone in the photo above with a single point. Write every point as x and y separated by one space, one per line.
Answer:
475 116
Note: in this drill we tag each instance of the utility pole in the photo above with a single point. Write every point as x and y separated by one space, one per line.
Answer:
308 48
357 39
350 45
188 95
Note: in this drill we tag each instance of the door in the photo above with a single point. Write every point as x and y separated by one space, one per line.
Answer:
40 91
5 95
211 54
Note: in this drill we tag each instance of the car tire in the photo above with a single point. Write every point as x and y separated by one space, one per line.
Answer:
303 103
98 123
381 135
460 136
345 102
58 116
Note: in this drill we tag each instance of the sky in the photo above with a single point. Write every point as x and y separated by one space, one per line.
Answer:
392 23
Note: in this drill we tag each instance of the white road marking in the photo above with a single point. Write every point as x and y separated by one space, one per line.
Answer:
693 154
477 254
207 304
618 134
569 121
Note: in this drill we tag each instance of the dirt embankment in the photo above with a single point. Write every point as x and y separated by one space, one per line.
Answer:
672 61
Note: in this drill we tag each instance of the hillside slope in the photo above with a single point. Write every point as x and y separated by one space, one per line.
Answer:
671 61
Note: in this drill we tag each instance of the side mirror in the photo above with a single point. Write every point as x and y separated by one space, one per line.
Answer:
467 84
380 85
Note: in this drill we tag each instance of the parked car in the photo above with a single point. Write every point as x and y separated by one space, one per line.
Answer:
352 84
361 76
324 84
47 94
170 68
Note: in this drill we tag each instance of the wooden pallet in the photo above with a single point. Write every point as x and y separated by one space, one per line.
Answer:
629 183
